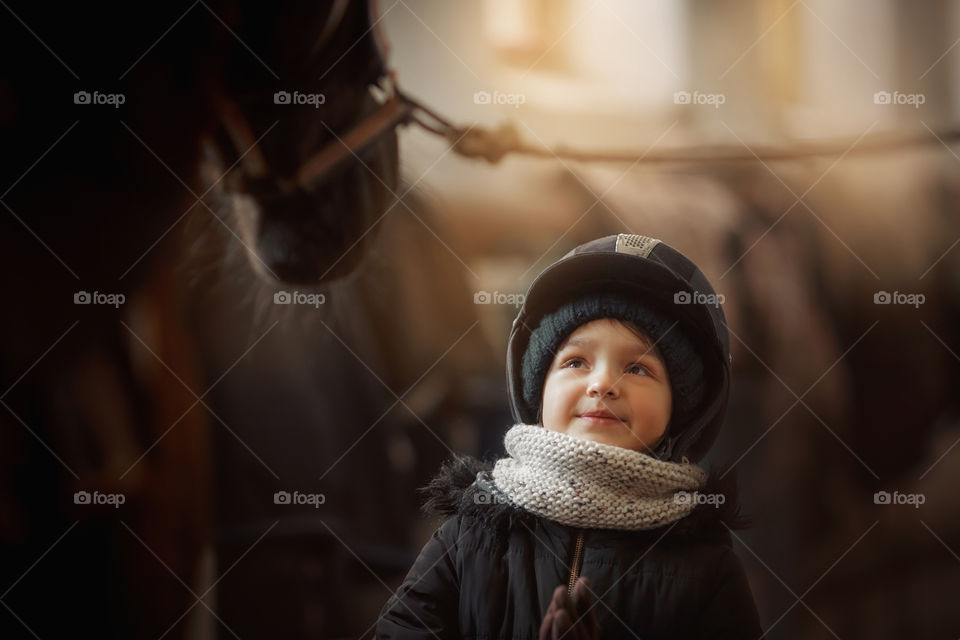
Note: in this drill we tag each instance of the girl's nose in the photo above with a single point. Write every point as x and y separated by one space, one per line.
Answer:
603 384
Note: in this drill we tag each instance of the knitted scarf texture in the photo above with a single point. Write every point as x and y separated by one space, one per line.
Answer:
590 485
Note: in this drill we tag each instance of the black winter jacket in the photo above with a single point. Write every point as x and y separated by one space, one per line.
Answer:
490 570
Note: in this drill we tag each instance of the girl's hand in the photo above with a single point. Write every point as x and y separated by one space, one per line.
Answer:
570 617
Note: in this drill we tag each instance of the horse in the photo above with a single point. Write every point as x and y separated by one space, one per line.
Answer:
114 121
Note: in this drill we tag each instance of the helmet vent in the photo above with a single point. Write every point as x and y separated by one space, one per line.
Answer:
635 244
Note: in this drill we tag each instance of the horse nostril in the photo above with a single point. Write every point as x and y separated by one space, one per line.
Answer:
285 249
322 233
300 246
279 246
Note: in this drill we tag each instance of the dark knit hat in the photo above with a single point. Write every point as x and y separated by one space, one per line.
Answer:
684 367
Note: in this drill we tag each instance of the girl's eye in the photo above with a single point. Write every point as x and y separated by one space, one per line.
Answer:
573 362
636 368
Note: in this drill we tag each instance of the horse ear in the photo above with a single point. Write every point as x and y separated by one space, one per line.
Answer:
334 19
381 45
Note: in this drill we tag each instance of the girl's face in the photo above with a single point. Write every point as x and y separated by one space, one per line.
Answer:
607 384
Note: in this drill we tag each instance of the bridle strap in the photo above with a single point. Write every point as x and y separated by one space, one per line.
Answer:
393 112
477 142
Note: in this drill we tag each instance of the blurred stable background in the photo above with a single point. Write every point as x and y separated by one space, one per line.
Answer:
267 455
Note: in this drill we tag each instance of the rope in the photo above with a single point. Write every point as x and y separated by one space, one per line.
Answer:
493 144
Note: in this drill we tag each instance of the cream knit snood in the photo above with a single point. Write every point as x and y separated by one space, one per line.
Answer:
591 485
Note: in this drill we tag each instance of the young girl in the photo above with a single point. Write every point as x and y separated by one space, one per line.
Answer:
598 523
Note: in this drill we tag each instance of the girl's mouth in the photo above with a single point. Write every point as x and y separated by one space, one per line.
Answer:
600 417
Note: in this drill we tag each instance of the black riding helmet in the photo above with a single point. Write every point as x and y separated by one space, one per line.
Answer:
657 276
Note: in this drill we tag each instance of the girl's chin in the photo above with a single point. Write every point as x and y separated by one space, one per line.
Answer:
604 435
600 434
616 435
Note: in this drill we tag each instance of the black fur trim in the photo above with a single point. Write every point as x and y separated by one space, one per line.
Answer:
455 491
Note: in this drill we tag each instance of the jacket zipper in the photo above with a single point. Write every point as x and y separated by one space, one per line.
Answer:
577 560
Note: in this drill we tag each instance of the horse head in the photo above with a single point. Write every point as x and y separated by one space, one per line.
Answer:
302 85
